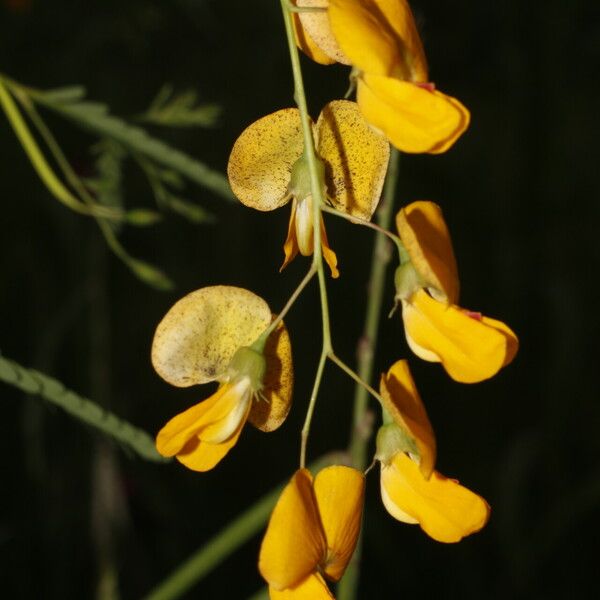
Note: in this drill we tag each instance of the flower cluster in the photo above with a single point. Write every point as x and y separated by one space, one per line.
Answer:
229 335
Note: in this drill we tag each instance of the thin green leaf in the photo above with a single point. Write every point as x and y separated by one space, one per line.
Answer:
96 118
36 383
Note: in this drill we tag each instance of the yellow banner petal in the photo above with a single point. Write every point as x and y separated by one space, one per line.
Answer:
366 38
340 494
469 349
197 338
444 509
318 32
402 400
261 161
294 543
425 236
414 119
356 158
268 413
201 456
311 588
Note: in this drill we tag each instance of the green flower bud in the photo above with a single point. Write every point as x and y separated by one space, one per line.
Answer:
391 439
247 362
300 183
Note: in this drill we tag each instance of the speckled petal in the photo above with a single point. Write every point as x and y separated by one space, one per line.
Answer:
308 45
356 158
318 30
425 236
415 119
197 338
269 412
261 161
402 400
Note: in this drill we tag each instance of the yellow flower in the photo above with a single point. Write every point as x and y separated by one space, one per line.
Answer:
411 490
471 347
380 39
207 336
267 168
312 533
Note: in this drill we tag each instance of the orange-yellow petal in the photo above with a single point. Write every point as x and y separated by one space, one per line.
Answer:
317 34
470 349
269 411
340 493
328 253
311 588
262 158
444 509
202 456
356 158
290 246
414 119
197 338
402 400
425 236
369 44
294 544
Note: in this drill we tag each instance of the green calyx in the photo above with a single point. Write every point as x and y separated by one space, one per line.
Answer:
407 281
391 439
300 183
247 362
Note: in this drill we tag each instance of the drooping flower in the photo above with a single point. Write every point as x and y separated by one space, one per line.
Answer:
380 40
470 347
209 335
411 489
312 533
267 168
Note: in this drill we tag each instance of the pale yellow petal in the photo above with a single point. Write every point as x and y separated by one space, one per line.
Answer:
402 401
311 588
201 456
414 119
340 495
294 544
261 161
444 509
469 349
318 30
392 508
356 158
269 412
307 44
425 236
197 338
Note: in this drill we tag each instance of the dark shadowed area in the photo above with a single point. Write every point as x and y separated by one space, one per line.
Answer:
520 193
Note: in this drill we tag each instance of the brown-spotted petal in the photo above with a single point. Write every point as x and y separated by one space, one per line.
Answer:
262 158
356 158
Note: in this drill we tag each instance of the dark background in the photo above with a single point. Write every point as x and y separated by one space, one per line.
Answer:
520 194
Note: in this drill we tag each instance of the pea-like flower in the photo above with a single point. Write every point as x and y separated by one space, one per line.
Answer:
411 489
267 168
470 347
312 533
380 40
213 334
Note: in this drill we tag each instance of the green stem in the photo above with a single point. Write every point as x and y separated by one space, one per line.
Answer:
34 382
344 367
283 312
348 588
225 542
311 407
